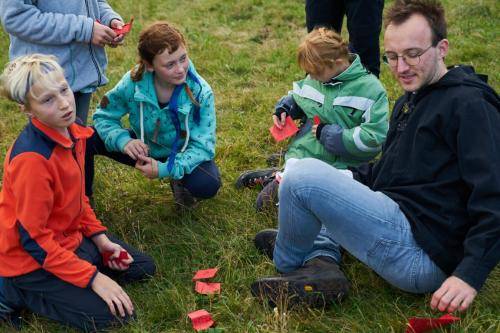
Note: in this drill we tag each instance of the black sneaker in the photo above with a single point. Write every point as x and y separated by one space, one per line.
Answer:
265 240
257 177
276 159
268 197
318 283
182 197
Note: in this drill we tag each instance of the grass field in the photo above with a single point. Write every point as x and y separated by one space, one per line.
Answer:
246 50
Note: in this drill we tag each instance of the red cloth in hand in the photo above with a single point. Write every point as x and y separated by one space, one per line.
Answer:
287 131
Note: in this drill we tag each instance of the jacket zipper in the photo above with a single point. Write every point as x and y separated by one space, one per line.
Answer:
73 153
91 50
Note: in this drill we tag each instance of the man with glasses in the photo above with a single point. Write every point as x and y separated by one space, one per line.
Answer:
426 216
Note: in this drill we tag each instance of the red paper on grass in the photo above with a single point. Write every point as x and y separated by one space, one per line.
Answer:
316 120
125 29
207 288
421 325
201 320
287 131
105 257
205 274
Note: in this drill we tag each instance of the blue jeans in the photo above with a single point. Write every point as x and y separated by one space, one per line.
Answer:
322 209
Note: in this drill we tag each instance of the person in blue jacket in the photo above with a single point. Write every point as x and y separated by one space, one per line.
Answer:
76 32
172 119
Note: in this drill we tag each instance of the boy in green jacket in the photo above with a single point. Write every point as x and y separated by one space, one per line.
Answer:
351 105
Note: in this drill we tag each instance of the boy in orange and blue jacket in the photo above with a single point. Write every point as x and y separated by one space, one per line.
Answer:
51 243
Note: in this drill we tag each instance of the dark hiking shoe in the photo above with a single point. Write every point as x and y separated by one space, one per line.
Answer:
254 178
318 283
182 196
268 197
265 240
276 159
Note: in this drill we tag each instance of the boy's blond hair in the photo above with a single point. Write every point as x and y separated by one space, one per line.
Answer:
320 48
22 73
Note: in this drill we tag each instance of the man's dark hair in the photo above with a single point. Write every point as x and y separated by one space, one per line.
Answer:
431 10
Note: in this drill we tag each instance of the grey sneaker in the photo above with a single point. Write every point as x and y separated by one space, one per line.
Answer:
268 197
265 240
318 283
182 196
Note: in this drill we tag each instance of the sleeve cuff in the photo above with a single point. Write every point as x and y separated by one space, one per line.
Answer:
163 170
122 141
89 285
331 139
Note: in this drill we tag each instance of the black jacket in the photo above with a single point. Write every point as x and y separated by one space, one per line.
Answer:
441 164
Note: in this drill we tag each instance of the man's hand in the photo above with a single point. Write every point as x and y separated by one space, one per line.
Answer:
102 35
136 147
148 166
114 296
118 40
454 294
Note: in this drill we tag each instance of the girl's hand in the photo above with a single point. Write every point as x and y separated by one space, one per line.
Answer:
105 245
102 35
118 40
454 294
114 296
136 147
148 166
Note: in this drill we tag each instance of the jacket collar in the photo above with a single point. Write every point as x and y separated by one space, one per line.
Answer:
76 130
352 72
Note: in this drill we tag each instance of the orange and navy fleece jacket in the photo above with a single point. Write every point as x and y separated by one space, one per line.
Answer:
44 212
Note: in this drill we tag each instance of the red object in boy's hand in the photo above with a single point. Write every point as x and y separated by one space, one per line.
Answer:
316 120
421 325
201 320
123 256
125 29
288 130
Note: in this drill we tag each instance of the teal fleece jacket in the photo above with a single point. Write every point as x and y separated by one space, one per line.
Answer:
197 141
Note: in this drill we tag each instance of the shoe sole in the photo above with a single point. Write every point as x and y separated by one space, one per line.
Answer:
291 293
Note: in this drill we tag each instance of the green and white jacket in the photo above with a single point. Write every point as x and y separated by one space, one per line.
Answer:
353 107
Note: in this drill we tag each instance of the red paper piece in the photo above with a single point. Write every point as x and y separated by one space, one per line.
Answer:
205 274
207 288
123 256
421 325
316 120
287 131
201 320
125 29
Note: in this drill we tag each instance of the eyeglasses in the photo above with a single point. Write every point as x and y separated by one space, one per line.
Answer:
411 57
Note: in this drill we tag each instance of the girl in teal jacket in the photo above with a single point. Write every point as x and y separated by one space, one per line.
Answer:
171 112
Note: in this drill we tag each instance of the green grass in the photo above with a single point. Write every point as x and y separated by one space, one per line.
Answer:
246 50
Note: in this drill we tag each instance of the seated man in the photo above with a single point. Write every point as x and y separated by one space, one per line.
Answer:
426 216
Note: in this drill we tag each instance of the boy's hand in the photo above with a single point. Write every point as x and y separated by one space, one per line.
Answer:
102 35
314 129
136 147
148 166
454 294
280 122
118 40
105 245
114 296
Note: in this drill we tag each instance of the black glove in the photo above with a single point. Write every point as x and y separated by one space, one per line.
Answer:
287 104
